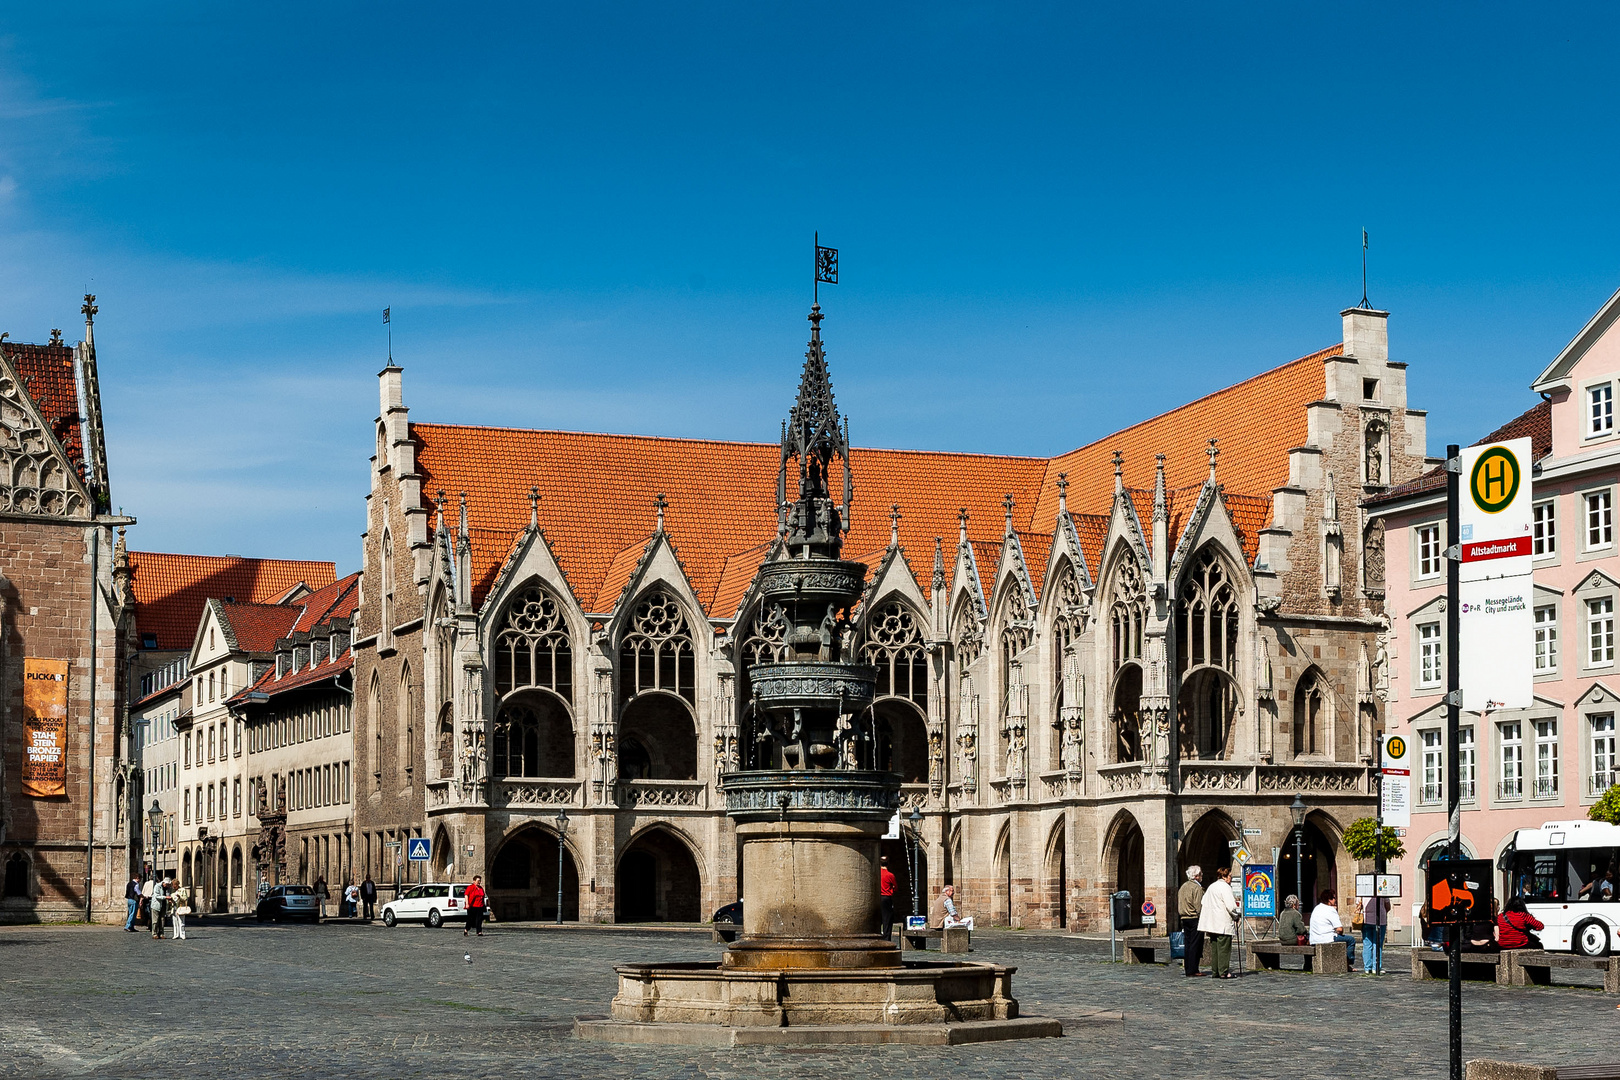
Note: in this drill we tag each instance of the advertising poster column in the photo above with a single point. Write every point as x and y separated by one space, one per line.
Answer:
44 766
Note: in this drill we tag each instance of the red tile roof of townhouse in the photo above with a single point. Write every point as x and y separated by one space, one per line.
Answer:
597 491
171 590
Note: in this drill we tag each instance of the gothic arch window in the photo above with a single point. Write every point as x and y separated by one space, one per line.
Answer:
656 650
406 703
534 736
374 716
532 647
1127 611
1207 615
1313 705
894 645
385 632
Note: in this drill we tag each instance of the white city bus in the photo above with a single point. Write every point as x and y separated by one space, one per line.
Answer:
1568 873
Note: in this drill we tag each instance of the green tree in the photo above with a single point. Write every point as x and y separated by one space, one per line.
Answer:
1607 808
1361 840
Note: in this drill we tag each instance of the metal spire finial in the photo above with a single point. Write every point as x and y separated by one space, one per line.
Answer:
1063 492
662 504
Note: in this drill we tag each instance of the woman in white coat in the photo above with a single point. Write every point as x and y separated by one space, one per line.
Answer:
1217 920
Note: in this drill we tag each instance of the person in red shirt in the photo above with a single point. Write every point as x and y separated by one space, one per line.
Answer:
1513 927
886 895
475 907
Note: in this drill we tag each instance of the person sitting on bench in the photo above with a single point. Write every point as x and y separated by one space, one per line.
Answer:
944 915
1514 926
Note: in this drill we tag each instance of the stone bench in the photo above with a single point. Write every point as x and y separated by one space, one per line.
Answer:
1429 964
1330 959
1143 949
954 939
725 932
1533 967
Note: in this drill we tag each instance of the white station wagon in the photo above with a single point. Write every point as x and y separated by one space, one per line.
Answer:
431 904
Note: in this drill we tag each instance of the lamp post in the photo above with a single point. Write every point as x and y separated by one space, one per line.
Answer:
911 865
562 833
1298 810
154 825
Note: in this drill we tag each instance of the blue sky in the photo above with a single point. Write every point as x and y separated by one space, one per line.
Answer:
1054 220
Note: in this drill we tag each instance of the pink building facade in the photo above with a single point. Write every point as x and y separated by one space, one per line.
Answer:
1522 767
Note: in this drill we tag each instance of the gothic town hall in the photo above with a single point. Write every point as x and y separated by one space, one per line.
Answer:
1094 669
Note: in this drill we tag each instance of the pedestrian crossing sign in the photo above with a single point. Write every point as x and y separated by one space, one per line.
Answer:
420 849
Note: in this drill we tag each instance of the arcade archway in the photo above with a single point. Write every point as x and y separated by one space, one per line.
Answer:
523 878
658 881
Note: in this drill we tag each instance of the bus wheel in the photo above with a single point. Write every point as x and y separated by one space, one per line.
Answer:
1592 939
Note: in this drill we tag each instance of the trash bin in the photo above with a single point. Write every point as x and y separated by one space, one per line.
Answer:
1122 909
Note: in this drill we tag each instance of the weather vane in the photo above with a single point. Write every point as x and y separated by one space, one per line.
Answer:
826 268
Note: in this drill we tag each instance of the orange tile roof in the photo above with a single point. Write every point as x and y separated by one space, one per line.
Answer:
597 490
1092 529
171 590
269 684
1257 422
336 601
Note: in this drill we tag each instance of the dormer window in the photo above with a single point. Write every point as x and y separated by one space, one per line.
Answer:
340 644
283 662
300 657
317 651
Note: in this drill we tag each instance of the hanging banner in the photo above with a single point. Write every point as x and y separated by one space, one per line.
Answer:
1497 632
44 766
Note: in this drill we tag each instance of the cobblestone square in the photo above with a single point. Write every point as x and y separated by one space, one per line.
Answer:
240 999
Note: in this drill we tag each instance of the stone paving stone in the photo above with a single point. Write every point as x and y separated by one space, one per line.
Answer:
239 999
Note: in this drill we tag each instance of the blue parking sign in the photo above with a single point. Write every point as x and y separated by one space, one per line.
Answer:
419 849
1259 891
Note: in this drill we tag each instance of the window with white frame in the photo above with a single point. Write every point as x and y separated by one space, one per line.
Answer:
1465 762
1510 780
1600 631
1599 520
1544 529
1600 414
1603 776
1433 766
1546 758
1431 660
1546 639
1428 551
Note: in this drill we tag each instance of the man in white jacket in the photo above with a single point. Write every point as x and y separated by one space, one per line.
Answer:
1217 921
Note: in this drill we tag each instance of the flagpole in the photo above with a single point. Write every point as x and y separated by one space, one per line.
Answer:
815 268
1364 303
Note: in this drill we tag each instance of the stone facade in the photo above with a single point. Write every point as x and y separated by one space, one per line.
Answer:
1126 655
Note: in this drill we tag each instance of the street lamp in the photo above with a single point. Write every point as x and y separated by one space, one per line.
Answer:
911 867
1298 810
154 823
562 833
